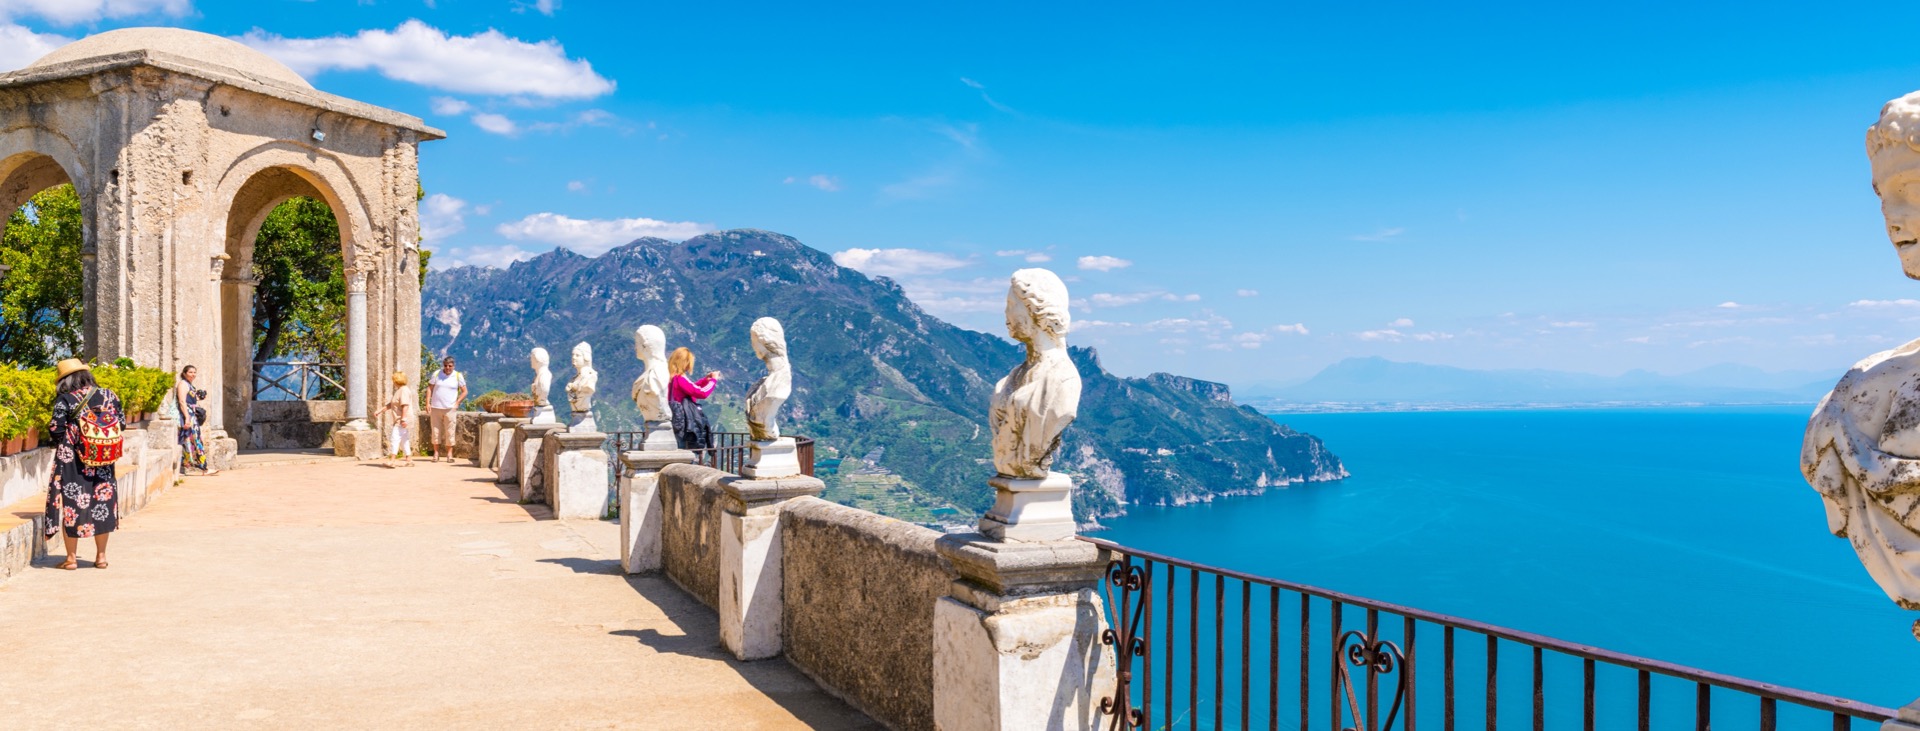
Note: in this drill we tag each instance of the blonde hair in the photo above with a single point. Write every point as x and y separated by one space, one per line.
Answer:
680 362
399 378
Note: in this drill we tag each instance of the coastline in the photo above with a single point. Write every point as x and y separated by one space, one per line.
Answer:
1337 407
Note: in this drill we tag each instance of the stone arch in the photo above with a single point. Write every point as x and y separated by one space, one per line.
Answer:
33 160
259 181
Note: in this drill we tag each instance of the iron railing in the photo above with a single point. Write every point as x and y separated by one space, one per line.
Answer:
728 454
1371 663
298 380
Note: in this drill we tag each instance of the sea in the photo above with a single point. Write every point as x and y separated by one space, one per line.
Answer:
1679 534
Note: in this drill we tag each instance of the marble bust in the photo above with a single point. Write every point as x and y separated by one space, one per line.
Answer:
650 389
1862 447
585 380
764 400
542 377
1035 402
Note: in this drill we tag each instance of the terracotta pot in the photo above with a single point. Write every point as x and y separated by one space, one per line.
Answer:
33 440
11 446
517 409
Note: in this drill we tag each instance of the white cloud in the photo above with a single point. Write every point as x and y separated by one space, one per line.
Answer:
1882 304
977 86
1251 341
1433 336
19 46
449 106
919 187
1030 257
441 216
1247 293
897 262
1108 299
967 136
1643 340
1171 297
576 186
73 12
1728 305
1402 322
1391 336
495 123
1572 324
1103 263
1296 329
1209 324
482 63
543 7
594 236
827 183
1380 235
1092 324
497 256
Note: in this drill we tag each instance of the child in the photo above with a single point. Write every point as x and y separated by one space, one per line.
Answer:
400 437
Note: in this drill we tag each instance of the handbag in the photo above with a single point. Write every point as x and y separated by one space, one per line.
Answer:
101 439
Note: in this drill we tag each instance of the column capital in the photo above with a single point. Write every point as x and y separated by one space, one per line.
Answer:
356 280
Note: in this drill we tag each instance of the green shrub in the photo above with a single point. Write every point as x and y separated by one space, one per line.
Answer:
26 394
490 399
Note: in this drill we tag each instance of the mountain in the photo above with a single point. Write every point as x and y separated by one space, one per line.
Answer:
876 379
1381 381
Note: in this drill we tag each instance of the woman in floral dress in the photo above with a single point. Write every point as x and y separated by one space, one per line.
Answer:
193 443
82 500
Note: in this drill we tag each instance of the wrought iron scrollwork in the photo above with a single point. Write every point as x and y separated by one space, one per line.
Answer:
1379 657
1133 584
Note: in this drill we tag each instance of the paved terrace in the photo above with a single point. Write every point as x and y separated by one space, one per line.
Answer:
349 595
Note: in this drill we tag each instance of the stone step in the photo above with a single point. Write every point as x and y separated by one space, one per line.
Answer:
285 458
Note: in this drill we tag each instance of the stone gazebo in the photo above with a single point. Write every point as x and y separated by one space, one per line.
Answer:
179 143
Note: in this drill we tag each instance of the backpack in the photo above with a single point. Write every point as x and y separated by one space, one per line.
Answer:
101 441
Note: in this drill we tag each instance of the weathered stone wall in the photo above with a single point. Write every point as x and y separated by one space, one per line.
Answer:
691 502
25 475
860 591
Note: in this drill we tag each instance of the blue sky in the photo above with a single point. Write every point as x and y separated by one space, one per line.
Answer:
1242 193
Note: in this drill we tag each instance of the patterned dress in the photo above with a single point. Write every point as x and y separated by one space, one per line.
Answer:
193 447
83 500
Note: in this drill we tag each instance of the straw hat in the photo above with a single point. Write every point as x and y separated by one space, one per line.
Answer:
69 367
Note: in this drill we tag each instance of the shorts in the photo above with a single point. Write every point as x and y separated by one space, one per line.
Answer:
442 423
401 441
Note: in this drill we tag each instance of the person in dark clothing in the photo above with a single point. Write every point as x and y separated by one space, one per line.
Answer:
82 500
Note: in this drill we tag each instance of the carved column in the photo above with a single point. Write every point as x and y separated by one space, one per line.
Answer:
356 350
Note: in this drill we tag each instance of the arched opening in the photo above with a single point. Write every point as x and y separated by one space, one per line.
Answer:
283 312
42 287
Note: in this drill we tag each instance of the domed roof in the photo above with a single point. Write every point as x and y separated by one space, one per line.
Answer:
203 47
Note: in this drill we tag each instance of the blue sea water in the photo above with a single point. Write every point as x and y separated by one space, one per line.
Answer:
1679 534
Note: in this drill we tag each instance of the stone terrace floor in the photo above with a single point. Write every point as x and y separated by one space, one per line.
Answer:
350 595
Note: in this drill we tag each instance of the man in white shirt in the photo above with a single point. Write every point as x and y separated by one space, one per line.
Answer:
446 390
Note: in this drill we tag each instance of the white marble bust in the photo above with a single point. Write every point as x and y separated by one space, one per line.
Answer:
764 400
542 377
1862 448
650 389
585 380
1035 402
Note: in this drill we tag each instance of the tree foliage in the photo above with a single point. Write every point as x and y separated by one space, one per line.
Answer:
300 305
41 301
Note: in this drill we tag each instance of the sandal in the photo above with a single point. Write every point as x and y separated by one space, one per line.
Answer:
70 564
99 564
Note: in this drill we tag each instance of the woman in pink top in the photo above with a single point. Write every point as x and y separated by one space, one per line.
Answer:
690 426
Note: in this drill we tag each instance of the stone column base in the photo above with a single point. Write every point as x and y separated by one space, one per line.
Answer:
506 458
530 463
358 444
659 437
575 465
640 510
751 603
1030 510
486 439
772 460
1017 643
1908 717
222 452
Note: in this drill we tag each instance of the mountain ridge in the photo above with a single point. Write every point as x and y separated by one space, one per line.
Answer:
875 375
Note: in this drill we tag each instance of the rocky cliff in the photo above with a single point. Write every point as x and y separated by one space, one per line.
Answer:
873 373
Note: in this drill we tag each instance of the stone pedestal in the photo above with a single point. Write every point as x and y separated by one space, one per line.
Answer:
532 441
1017 641
222 451
583 422
356 443
750 577
575 466
486 439
543 415
659 437
1907 719
640 511
506 456
772 459
1030 510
